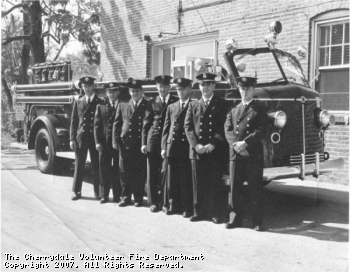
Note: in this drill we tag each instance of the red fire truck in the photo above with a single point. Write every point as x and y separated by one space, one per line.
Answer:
293 146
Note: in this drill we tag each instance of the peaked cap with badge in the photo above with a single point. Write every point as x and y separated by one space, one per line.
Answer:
182 82
206 77
112 86
163 79
86 80
246 81
134 84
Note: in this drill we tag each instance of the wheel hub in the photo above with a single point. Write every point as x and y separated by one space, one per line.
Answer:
47 150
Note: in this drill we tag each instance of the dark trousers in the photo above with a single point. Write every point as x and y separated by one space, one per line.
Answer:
132 165
250 170
179 184
156 169
109 170
80 160
206 178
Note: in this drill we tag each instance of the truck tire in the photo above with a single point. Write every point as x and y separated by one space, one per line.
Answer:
44 152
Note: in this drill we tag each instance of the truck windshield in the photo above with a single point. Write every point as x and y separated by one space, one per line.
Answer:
261 63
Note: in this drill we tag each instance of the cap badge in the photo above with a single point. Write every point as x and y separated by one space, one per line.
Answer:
86 79
179 80
110 84
163 76
134 82
204 75
244 79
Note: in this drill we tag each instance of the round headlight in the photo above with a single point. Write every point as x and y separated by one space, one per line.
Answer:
324 118
280 119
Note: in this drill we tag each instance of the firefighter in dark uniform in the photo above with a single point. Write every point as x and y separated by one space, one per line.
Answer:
151 139
82 136
127 130
245 128
108 157
175 147
204 127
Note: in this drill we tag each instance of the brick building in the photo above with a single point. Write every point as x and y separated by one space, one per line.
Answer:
192 29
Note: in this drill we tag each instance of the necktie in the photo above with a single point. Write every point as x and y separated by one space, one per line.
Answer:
182 106
135 106
89 101
113 105
207 103
163 102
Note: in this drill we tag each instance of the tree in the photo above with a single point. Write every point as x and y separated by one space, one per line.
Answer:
53 21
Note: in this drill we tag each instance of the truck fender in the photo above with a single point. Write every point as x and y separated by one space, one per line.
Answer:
50 122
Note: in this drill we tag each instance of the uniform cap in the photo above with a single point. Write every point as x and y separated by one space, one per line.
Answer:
134 84
246 81
163 79
86 80
112 86
182 82
206 77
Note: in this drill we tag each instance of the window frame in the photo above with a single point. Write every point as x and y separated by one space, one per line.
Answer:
158 47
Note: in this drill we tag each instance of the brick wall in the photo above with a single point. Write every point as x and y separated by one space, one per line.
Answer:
124 24
124 53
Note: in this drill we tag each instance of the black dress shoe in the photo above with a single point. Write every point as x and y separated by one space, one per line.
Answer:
154 208
233 225
76 196
116 199
138 204
195 218
169 212
258 228
186 214
216 220
104 200
123 203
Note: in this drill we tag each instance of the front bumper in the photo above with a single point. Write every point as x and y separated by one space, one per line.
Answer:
300 171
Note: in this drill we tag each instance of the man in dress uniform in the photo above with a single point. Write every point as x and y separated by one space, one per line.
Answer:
108 157
175 147
82 136
245 128
151 139
127 130
204 127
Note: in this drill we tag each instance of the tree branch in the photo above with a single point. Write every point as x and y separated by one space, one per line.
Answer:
16 38
53 37
5 13
7 92
59 52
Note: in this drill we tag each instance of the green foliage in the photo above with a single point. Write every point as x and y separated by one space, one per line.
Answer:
80 66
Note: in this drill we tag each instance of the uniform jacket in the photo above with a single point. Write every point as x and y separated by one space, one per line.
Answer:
103 126
82 120
247 124
128 122
206 125
174 139
153 124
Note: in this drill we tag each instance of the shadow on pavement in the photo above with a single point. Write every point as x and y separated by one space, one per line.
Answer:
306 215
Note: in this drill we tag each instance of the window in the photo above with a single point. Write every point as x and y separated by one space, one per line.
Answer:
329 67
185 57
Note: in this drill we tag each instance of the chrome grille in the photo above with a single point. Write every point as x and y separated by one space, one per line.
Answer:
296 160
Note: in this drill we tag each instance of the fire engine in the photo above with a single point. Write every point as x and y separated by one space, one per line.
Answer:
293 146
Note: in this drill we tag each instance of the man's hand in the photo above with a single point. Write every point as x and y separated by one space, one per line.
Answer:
72 145
200 149
163 153
244 153
99 148
144 149
239 146
115 146
209 148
